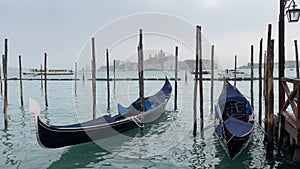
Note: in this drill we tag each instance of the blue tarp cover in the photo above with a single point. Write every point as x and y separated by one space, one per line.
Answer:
122 110
219 130
230 93
167 88
237 127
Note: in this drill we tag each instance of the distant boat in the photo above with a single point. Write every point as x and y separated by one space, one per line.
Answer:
236 122
230 73
35 72
53 136
204 72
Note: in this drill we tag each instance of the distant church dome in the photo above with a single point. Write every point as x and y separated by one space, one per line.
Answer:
161 53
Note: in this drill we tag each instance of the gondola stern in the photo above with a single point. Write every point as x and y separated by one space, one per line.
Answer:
167 87
37 132
34 107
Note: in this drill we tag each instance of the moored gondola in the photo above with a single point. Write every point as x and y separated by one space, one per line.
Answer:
54 136
236 123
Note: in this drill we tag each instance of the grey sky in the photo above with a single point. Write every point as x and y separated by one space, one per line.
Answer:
62 27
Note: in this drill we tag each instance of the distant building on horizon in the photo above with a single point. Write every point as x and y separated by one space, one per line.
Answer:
288 64
206 64
160 61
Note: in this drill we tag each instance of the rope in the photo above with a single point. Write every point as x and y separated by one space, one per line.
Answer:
208 127
230 139
137 122
261 128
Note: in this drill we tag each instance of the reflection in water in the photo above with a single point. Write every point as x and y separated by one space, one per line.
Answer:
131 144
80 156
8 149
203 153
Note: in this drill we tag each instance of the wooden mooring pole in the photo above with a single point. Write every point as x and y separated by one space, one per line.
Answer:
212 68
260 82
266 74
1 87
235 63
75 88
270 96
41 70
252 74
21 86
196 85
270 93
141 76
185 75
83 76
45 75
5 83
200 78
107 80
176 72
93 62
114 75
297 59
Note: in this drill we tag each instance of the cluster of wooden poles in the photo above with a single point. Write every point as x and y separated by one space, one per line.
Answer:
4 63
140 74
93 65
268 80
268 83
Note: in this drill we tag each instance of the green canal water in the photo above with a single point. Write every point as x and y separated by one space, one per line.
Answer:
165 143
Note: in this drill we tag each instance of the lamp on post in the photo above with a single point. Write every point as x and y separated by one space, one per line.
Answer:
293 16
293 13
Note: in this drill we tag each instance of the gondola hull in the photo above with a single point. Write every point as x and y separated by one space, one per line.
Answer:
50 136
235 145
232 144
236 125
54 138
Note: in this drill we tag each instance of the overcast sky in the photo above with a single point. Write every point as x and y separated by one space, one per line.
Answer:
63 27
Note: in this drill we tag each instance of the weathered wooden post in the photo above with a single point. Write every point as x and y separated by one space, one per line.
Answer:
297 59
83 76
265 88
93 62
252 74
1 87
270 96
45 75
266 74
212 68
75 74
107 80
21 86
41 72
5 83
196 84
200 77
281 63
235 63
176 72
260 82
185 75
114 75
141 76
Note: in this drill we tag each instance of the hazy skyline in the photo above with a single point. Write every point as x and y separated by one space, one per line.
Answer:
63 28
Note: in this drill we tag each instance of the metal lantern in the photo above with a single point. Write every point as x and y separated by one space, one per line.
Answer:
293 14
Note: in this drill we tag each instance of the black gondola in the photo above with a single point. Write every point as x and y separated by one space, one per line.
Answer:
52 136
236 122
